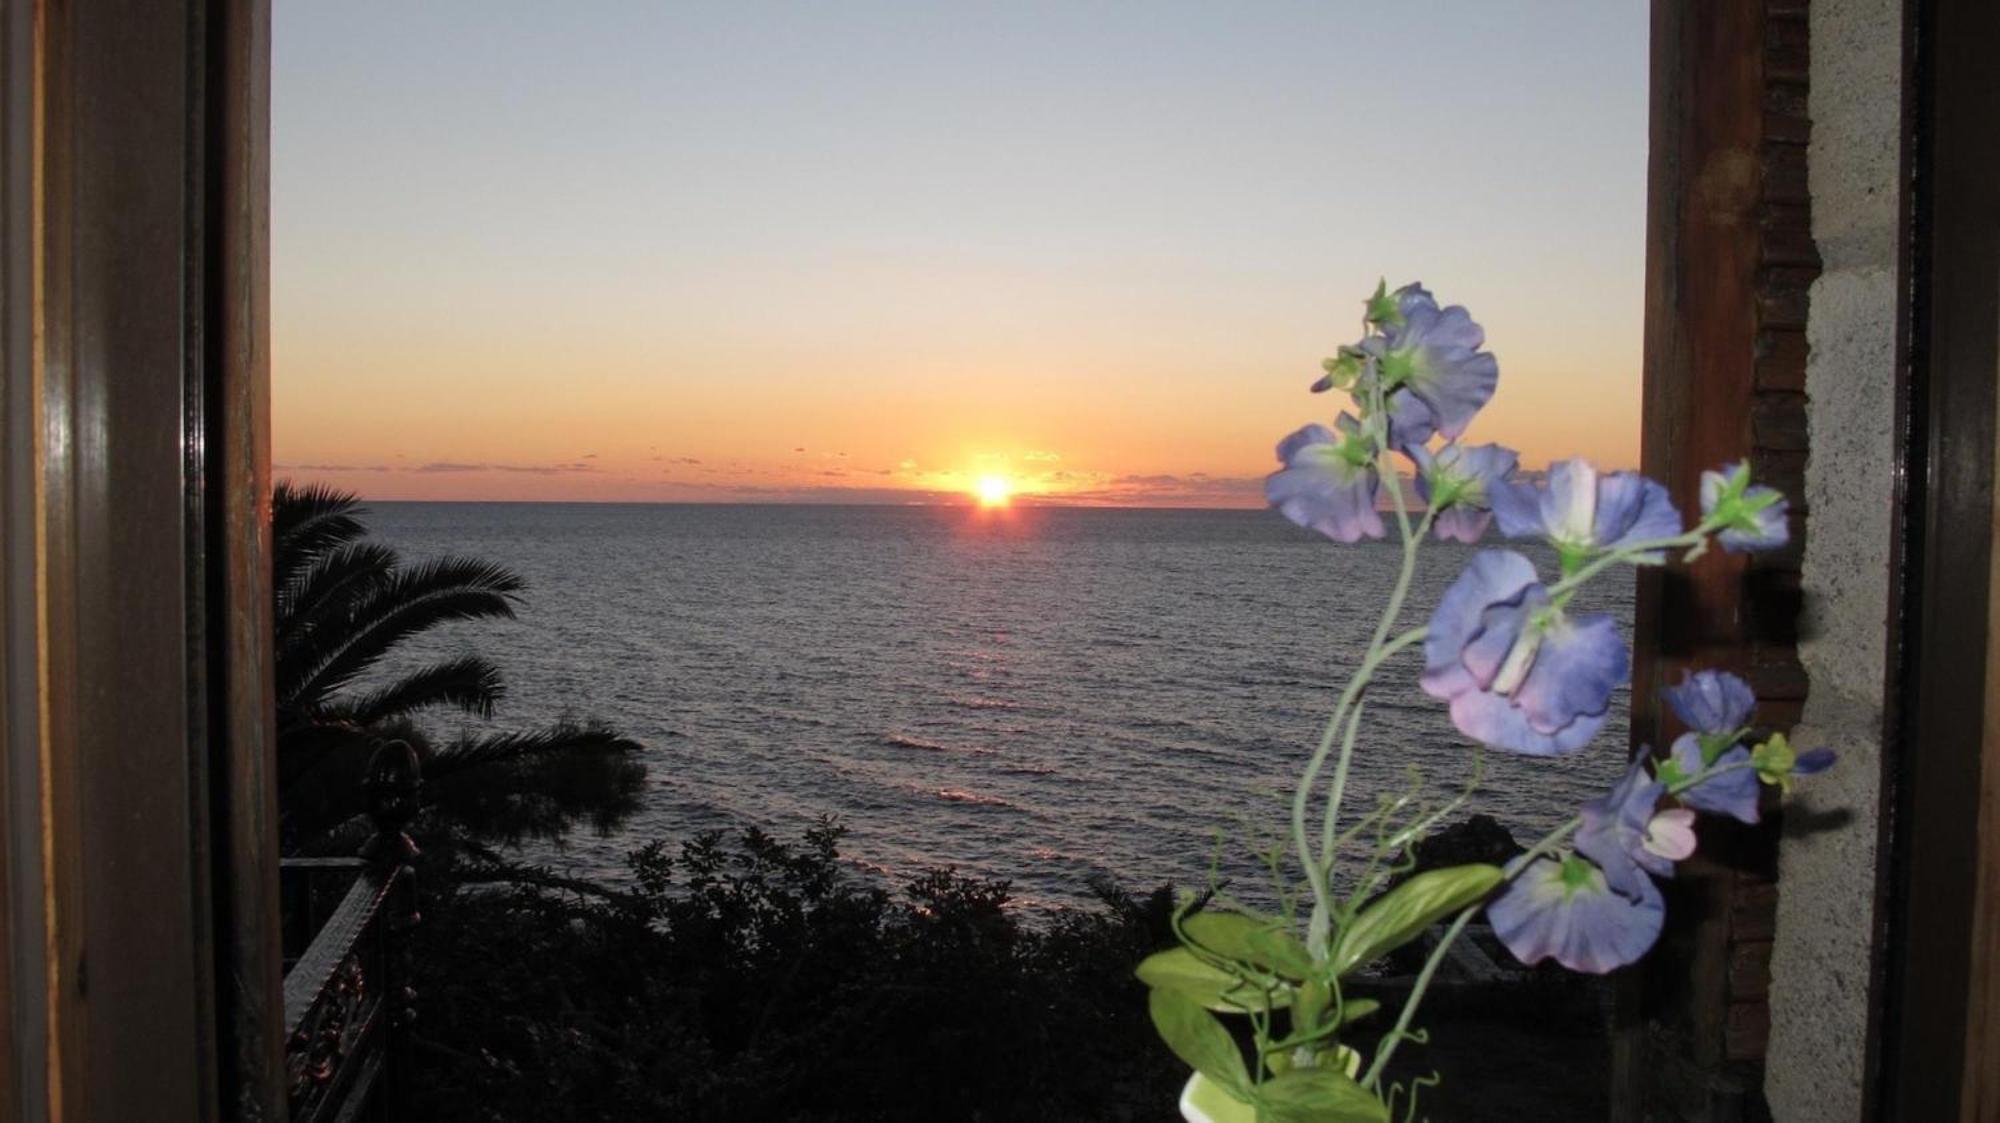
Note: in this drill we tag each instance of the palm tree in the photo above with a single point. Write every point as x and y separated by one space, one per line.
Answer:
343 605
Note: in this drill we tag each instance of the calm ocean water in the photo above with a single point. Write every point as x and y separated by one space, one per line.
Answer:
1033 694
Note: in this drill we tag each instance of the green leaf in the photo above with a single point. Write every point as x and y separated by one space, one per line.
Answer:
1774 760
1383 307
1401 914
1356 1009
1179 969
1205 1101
1318 1095
1251 939
1197 1037
1313 997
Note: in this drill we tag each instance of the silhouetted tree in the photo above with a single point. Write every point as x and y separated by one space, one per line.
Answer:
344 605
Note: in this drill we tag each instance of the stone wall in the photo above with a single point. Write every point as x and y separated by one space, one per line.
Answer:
1820 963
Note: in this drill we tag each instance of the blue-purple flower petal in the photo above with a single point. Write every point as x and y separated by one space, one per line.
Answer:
1491 720
1322 489
1494 577
1578 508
1448 380
1615 828
1813 761
1456 385
1713 702
1466 477
1632 509
1733 793
1771 531
1577 920
1580 663
1520 674
1462 524
1757 516
1411 421
1517 507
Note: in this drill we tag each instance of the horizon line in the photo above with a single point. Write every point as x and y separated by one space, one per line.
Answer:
1017 505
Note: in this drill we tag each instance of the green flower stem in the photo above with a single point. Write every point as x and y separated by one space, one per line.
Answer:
1316 871
1378 644
1345 714
1329 822
1630 554
1546 845
1337 788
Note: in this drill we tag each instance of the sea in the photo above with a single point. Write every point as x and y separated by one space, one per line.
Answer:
1042 695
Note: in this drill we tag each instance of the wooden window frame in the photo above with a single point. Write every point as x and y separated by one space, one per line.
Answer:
1937 1033
140 966
138 961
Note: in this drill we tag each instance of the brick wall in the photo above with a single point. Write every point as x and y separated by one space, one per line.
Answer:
1788 262
1730 259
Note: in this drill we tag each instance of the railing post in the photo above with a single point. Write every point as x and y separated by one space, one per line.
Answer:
393 784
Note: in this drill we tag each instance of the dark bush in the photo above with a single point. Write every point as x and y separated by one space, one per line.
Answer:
749 979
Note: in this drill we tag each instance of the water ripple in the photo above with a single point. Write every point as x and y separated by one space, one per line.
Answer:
1040 696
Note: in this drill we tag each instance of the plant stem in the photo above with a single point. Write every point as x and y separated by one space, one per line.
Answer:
1394 1037
1346 712
1629 554
1316 871
1329 822
1546 845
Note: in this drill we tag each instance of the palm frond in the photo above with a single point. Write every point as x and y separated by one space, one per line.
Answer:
341 606
468 682
513 786
409 601
308 520
321 598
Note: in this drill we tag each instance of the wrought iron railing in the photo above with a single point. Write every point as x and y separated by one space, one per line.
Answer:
348 993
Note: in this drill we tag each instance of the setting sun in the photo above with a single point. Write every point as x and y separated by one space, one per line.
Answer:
994 491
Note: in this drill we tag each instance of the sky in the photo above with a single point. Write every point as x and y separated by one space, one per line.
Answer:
876 252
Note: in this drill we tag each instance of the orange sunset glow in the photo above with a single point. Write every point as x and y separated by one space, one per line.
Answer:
821 259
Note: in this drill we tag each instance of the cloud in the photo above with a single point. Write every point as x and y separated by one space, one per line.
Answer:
331 467
883 496
1195 489
1039 457
436 467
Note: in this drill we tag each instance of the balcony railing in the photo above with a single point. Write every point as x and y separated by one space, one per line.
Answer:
348 993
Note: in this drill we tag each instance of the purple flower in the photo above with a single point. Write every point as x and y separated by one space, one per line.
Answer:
1567 910
1457 482
1434 376
1628 839
1583 512
1813 761
1329 481
1713 702
1519 672
1732 793
1751 517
